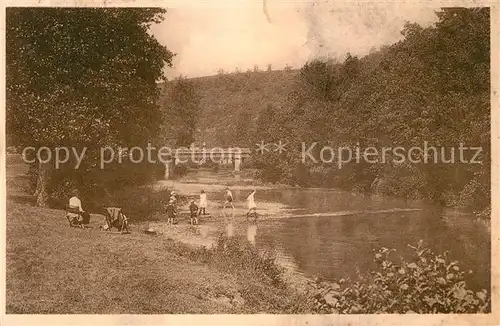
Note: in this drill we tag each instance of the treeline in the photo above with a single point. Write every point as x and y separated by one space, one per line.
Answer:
433 86
255 68
92 90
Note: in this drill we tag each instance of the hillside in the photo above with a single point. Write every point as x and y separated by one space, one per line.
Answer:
432 87
228 101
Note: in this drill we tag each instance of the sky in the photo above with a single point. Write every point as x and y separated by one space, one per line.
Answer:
253 32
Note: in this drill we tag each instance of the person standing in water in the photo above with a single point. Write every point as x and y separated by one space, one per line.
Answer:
203 202
229 199
171 212
251 205
193 210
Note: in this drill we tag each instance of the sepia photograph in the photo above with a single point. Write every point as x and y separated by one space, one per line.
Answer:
254 158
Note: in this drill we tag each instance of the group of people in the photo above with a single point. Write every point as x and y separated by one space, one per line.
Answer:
252 207
77 216
196 210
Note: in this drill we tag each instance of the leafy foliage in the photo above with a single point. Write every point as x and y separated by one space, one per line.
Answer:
433 86
180 107
82 77
430 284
260 278
235 255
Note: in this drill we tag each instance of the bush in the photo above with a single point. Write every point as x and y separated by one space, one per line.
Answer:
180 170
430 284
140 203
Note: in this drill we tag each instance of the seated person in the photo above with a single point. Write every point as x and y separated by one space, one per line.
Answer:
116 218
75 212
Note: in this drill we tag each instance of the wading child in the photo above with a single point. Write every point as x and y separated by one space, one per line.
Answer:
229 199
251 205
193 209
203 202
171 212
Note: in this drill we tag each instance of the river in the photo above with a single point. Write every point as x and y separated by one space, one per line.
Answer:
330 233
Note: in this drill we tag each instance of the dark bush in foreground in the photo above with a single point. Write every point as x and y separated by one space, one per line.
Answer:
430 284
141 203
180 170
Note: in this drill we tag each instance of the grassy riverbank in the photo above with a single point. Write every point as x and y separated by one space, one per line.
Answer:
55 269
52 268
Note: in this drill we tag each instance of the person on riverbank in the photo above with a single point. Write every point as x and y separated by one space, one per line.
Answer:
229 199
171 212
203 202
193 209
76 215
251 205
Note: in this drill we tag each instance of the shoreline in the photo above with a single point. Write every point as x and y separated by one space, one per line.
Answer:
204 236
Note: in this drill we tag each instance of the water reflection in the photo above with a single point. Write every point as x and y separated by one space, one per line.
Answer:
251 232
333 245
230 230
228 221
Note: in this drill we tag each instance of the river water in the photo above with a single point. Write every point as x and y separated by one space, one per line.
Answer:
329 233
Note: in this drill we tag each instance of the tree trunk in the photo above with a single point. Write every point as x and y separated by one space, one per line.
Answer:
41 193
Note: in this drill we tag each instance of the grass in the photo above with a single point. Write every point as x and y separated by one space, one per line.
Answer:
54 269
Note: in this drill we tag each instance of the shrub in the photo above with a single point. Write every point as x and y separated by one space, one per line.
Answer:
484 214
430 284
96 184
140 203
180 170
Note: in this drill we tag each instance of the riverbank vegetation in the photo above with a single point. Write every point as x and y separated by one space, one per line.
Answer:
67 271
432 86
101 92
430 283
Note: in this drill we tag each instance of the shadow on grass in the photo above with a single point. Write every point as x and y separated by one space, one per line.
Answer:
22 199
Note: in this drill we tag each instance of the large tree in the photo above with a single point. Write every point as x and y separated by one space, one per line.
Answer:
180 107
82 77
433 86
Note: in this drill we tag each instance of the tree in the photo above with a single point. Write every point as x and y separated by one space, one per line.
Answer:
180 107
243 128
82 77
434 86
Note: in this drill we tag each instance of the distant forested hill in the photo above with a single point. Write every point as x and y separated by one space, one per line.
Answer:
432 87
230 103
